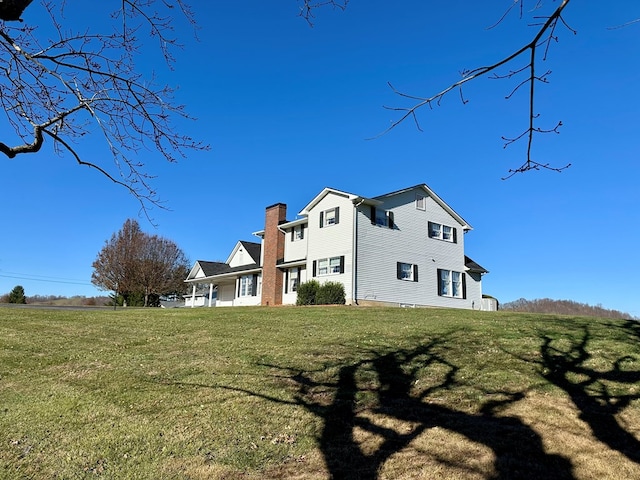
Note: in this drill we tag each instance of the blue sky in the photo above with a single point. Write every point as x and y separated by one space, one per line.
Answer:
288 109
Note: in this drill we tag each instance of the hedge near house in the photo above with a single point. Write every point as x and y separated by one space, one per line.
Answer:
314 293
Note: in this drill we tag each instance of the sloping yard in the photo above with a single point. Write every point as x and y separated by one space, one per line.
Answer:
317 393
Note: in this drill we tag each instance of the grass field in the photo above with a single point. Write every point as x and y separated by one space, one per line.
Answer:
317 393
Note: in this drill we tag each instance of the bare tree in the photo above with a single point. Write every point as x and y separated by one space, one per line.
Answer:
133 263
162 268
115 268
62 82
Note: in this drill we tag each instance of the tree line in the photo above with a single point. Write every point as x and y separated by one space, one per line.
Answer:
563 307
140 268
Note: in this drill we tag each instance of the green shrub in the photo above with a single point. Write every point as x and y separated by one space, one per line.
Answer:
331 293
307 293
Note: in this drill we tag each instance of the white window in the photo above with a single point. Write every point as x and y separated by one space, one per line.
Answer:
330 217
421 202
334 265
442 232
407 271
451 284
298 233
435 230
293 280
246 286
328 266
447 233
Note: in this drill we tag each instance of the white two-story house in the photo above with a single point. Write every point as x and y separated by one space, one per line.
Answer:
404 248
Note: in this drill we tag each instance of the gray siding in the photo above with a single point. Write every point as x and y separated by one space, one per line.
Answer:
379 248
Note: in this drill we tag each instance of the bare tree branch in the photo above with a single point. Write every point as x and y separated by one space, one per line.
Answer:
83 82
542 39
308 6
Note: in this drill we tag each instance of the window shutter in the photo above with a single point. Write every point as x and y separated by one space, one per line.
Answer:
293 233
337 215
464 285
239 282
439 281
341 263
415 273
286 281
314 269
254 285
399 271
455 235
373 215
301 232
391 222
429 228
321 219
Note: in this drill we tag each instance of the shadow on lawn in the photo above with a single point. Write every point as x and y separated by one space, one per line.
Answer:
386 385
593 391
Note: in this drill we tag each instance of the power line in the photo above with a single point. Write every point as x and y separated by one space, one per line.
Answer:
42 278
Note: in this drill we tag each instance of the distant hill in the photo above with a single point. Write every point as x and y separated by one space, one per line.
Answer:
563 307
74 301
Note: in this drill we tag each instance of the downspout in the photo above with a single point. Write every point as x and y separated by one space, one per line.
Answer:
354 259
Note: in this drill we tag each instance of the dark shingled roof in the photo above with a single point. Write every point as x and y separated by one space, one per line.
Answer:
252 249
473 266
212 269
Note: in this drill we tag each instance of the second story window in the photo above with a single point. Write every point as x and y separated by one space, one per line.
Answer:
381 217
297 233
330 217
442 232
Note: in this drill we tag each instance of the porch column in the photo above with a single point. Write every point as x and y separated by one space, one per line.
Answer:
210 292
193 296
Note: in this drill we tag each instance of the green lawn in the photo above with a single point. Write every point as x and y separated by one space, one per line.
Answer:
335 392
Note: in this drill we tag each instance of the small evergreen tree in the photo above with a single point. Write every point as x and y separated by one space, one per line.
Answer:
17 295
307 292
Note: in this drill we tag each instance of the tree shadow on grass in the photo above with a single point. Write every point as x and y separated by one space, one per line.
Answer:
596 393
388 385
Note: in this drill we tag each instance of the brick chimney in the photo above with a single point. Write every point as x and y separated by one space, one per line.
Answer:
273 246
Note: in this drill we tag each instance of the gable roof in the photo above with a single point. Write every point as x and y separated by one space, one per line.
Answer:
252 248
425 188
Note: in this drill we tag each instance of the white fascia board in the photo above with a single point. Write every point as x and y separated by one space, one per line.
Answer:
294 263
305 211
223 276
293 223
357 201
438 200
233 252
